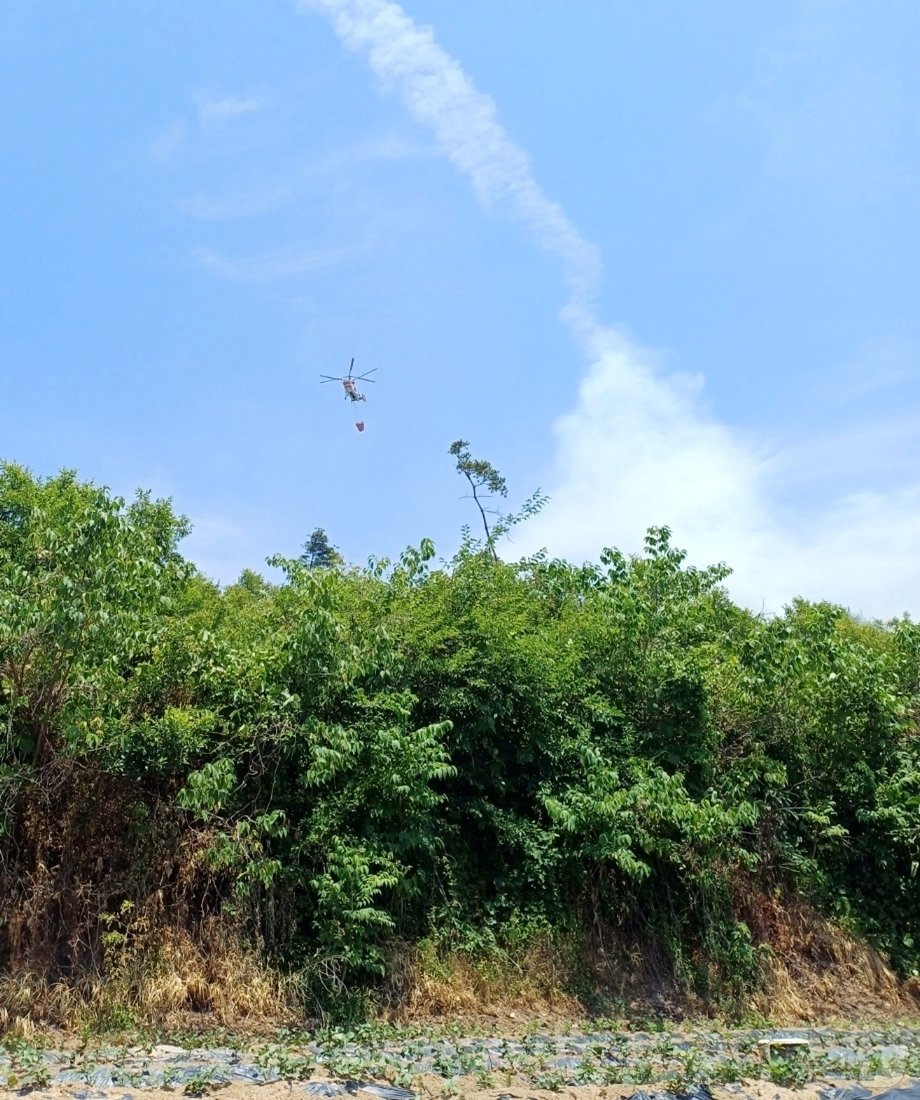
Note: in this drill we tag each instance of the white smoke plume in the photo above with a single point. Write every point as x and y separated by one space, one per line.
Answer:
439 94
639 447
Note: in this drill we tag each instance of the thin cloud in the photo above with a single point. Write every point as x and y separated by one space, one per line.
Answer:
842 126
640 447
166 145
439 94
881 364
283 263
240 204
290 183
884 447
211 107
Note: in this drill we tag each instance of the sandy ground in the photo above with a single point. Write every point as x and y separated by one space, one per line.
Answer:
437 1087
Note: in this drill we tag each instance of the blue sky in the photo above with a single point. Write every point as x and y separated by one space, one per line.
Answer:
659 259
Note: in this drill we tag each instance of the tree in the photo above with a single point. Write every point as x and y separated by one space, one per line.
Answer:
481 475
86 586
318 551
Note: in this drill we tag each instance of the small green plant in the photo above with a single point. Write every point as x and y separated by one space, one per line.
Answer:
588 1071
873 1065
787 1072
691 1063
403 1077
287 1065
28 1068
200 1083
170 1077
613 1075
726 1072
642 1073
552 1080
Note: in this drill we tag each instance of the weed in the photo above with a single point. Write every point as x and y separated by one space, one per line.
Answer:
402 1077
170 1077
691 1062
290 1067
588 1072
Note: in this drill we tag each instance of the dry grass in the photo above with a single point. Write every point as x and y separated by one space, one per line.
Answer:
426 981
31 997
160 981
815 969
215 976
19 1027
811 969
166 977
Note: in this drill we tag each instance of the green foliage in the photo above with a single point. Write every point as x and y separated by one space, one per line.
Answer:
349 924
478 472
318 551
788 1072
27 1067
464 755
486 482
86 584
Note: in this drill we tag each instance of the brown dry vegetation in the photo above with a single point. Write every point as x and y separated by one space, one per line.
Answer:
176 983
812 970
159 975
95 927
166 958
426 983
816 969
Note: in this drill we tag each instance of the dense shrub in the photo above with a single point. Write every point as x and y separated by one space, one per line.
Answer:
355 757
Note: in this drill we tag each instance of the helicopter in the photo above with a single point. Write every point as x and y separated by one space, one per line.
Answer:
349 382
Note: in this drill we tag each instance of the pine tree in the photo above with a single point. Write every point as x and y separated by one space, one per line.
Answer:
318 551
481 475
